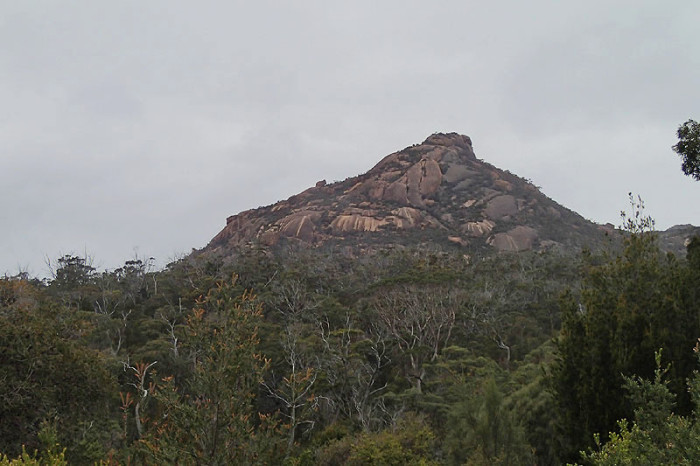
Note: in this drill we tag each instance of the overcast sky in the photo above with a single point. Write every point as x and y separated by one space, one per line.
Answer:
137 127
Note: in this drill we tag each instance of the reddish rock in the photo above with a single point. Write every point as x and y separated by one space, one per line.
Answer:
239 228
269 238
456 173
413 180
520 238
457 240
355 222
481 228
431 177
407 217
503 185
451 139
300 225
409 191
396 192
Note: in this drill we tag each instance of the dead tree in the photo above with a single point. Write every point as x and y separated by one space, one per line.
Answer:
420 321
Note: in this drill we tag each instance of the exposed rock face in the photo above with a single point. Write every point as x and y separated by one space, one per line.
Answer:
437 186
481 228
300 225
501 206
677 238
519 238
420 181
356 222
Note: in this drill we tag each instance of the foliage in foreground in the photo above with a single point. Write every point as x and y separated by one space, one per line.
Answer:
657 436
630 306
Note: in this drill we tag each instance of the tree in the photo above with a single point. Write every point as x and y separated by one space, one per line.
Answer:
47 374
294 391
409 442
656 436
420 321
481 430
73 281
688 147
52 454
630 306
353 364
209 417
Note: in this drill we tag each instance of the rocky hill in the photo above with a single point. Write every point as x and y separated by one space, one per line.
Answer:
437 192
676 238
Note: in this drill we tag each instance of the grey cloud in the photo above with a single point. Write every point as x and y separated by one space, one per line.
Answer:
144 124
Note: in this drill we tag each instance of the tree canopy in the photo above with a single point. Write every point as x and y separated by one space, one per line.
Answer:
688 148
412 356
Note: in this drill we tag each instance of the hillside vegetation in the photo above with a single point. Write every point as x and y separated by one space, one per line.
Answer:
404 357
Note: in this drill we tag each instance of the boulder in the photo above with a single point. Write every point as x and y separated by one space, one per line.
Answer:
520 238
481 228
356 222
501 206
300 225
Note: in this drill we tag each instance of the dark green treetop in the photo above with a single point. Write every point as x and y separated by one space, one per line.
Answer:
688 148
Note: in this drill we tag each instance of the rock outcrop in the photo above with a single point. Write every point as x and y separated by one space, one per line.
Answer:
436 191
